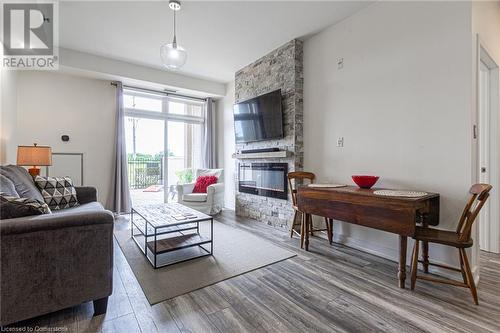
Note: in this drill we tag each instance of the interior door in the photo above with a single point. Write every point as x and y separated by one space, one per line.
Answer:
484 150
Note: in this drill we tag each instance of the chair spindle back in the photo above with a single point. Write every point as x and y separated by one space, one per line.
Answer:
298 178
479 195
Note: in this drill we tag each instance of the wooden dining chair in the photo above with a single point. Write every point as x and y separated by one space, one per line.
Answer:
460 239
296 179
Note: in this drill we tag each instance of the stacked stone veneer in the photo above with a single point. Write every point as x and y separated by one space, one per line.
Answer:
280 69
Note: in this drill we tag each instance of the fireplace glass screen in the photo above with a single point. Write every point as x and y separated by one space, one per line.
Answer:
265 179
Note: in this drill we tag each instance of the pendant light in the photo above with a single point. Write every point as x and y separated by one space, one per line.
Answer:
173 56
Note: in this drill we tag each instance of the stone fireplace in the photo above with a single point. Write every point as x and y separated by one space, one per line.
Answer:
280 69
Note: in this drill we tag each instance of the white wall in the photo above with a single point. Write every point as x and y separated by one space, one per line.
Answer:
226 144
402 102
52 104
8 117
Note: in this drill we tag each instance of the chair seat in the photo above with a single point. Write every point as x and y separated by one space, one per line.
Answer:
441 237
195 197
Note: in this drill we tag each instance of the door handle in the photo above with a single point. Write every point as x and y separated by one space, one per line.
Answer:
483 170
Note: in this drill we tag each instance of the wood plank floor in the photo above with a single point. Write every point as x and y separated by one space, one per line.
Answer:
330 289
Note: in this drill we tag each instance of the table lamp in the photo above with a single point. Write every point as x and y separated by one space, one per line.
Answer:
34 156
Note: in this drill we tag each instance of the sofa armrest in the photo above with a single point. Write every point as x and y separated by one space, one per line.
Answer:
215 197
54 221
86 194
215 189
184 189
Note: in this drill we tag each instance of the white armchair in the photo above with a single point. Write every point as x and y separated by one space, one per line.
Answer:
209 203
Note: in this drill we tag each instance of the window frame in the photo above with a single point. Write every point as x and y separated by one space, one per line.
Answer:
164 114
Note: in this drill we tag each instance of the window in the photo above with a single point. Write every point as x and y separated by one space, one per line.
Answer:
135 102
182 108
164 143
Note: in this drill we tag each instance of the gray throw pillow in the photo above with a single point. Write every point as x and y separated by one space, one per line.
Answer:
57 192
22 180
7 187
12 207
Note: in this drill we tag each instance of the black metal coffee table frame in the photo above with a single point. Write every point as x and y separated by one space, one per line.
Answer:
161 246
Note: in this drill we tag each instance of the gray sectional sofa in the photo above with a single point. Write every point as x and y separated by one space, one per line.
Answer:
53 261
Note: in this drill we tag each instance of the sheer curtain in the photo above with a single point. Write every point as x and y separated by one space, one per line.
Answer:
208 152
119 200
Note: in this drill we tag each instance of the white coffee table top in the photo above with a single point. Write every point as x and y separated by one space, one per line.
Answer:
169 214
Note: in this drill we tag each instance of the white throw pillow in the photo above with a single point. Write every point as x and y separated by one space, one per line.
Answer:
219 173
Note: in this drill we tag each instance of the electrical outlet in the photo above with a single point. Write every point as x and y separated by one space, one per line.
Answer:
340 141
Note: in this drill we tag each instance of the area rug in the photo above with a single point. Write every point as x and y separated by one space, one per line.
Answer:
235 252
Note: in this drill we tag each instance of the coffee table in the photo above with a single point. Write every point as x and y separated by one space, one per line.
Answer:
170 233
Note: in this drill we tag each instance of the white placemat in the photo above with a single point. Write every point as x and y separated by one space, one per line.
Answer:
392 193
327 185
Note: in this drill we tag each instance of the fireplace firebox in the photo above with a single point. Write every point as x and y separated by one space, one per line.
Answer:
265 179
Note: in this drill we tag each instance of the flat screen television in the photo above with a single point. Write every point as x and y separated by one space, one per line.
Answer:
259 118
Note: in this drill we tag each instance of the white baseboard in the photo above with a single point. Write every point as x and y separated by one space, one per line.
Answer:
475 274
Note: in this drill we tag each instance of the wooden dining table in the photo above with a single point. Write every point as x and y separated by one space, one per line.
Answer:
395 214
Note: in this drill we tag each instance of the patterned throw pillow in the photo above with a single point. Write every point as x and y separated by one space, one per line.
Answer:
202 182
12 207
58 192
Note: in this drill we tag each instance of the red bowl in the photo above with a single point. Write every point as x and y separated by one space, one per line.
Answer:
365 181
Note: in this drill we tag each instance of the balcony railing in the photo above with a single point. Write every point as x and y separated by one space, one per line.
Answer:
143 173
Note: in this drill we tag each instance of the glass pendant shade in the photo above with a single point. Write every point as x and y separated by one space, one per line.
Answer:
173 56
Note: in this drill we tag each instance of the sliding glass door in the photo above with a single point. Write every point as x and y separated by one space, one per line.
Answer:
145 160
184 147
164 142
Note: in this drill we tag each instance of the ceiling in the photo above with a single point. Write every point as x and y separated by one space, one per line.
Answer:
220 37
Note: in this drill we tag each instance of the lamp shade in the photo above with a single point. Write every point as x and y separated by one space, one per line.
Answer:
34 155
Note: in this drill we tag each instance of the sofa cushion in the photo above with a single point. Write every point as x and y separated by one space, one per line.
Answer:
58 192
7 187
83 208
22 180
195 197
13 207
219 173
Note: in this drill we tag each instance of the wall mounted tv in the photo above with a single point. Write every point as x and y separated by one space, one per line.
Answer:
259 118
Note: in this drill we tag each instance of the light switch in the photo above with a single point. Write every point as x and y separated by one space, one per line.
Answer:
340 63
340 141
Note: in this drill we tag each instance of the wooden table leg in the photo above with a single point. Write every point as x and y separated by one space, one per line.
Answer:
425 247
329 230
302 229
306 240
425 256
402 261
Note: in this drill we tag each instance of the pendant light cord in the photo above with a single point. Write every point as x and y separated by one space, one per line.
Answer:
174 43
